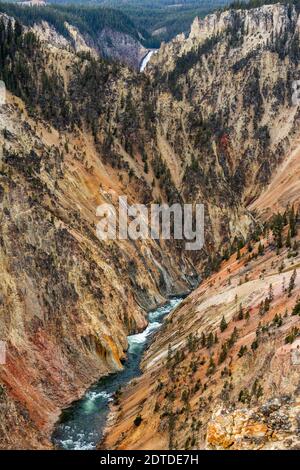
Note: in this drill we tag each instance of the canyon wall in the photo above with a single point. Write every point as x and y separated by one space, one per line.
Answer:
223 373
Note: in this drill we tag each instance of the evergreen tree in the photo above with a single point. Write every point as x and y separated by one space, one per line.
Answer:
211 366
288 239
260 249
241 313
203 340
292 282
254 345
271 293
266 305
293 222
210 340
261 308
223 354
277 227
296 309
223 324
233 338
242 351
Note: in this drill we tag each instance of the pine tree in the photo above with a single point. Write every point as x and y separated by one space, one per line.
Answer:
241 313
242 351
271 294
293 222
210 340
223 354
277 320
260 249
266 305
296 309
288 239
223 324
292 282
233 338
211 366
283 285
261 308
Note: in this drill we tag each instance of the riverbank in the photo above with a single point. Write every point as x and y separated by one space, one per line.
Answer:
83 424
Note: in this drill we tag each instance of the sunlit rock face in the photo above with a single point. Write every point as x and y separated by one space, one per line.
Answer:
226 394
272 426
267 20
68 300
110 44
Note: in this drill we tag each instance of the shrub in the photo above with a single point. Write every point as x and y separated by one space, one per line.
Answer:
290 338
242 351
138 420
296 309
211 367
223 354
244 396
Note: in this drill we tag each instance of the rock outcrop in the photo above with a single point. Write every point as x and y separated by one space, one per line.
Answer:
272 426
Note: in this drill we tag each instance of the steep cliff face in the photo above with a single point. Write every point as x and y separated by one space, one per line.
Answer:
108 43
225 108
209 122
224 371
68 301
100 41
212 117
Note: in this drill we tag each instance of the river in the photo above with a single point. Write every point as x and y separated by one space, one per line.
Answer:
146 59
81 425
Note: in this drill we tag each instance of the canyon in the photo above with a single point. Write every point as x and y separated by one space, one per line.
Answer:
210 120
205 387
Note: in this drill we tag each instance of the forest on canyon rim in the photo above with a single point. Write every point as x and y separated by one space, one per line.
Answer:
213 119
